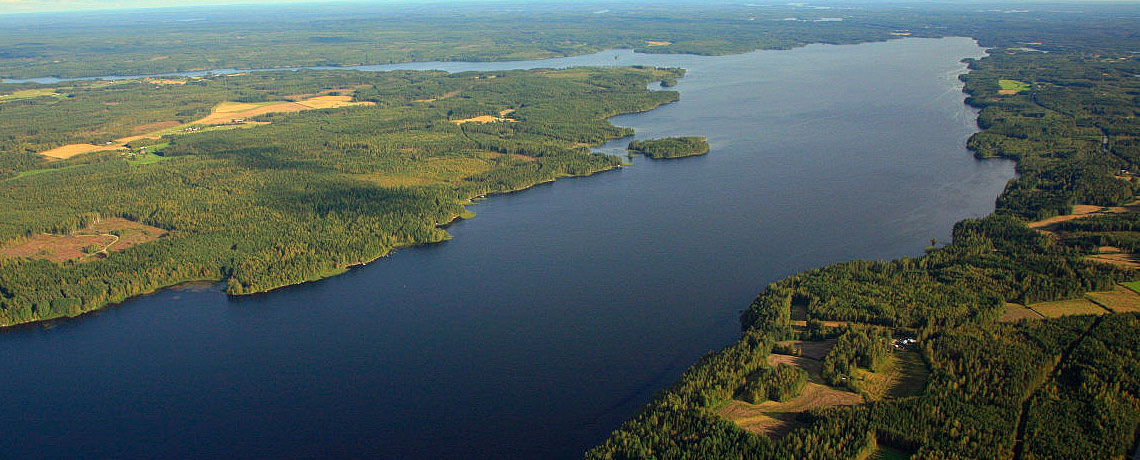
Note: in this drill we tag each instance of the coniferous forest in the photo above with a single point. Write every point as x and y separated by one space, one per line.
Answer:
964 352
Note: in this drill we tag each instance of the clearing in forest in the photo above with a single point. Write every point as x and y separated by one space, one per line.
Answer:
485 118
1080 210
234 112
29 94
658 42
1017 312
97 240
904 374
1059 308
776 419
1009 87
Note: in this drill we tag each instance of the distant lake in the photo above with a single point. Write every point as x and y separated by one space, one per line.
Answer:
556 313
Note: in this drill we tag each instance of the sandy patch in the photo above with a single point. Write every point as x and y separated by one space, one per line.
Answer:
658 43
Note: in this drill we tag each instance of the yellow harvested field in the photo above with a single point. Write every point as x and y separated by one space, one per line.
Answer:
481 119
1080 210
1015 312
1061 308
775 419
231 112
331 102
159 81
223 113
1120 299
70 150
1007 92
658 43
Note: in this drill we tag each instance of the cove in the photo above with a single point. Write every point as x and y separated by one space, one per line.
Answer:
557 312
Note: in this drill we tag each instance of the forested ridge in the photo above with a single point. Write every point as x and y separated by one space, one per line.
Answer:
299 198
1064 387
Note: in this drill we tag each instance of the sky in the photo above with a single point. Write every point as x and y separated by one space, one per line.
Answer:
31 6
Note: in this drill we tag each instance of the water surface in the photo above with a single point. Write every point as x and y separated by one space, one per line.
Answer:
558 311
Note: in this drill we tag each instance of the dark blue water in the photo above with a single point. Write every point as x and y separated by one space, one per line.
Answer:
553 315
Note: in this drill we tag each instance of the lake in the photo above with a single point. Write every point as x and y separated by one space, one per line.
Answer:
557 312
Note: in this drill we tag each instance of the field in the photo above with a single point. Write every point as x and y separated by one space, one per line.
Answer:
29 94
70 150
1061 308
1015 312
775 419
231 112
905 374
814 350
1009 87
483 119
97 240
1079 211
1119 300
223 113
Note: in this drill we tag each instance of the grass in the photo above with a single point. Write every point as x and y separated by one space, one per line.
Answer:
146 159
1013 85
1132 285
29 94
41 171
904 374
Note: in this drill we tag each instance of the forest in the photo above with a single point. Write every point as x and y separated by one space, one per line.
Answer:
297 197
670 147
195 39
997 387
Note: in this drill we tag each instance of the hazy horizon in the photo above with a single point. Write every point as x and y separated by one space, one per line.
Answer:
49 6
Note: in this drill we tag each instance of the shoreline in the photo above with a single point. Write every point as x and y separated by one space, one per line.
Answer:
470 200
47 323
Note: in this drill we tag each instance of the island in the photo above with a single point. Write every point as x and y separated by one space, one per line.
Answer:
670 147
